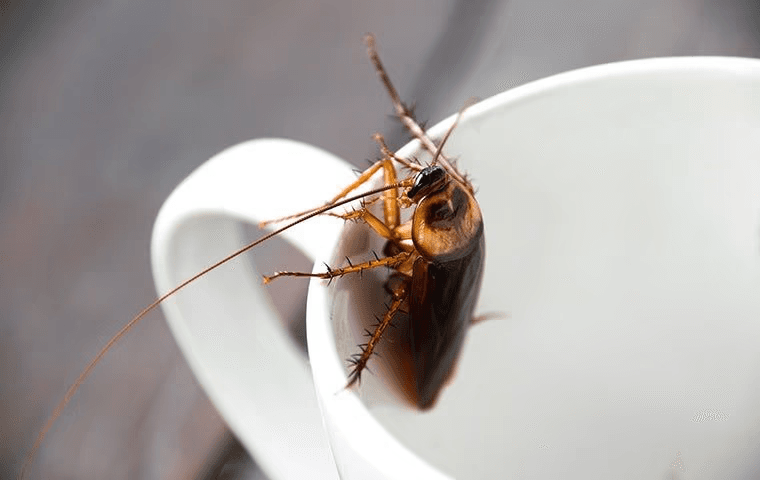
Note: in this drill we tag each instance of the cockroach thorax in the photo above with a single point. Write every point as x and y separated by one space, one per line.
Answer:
447 224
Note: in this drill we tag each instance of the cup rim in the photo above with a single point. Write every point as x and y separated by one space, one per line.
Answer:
683 64
356 424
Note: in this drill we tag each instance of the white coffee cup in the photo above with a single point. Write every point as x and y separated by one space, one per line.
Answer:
622 215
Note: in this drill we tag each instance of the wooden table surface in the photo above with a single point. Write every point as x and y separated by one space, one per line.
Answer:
106 106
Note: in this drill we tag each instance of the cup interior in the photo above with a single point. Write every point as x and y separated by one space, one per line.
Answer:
622 216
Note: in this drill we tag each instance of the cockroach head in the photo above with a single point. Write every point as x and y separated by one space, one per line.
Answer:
428 180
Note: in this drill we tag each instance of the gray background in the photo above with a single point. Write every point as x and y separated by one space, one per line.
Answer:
106 105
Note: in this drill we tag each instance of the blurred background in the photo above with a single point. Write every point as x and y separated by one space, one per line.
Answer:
106 105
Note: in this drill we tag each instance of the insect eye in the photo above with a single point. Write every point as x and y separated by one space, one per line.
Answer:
429 180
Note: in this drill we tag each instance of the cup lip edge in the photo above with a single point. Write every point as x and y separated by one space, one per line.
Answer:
544 85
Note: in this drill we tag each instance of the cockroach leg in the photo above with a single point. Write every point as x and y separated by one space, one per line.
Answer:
391 209
401 261
404 113
394 262
359 361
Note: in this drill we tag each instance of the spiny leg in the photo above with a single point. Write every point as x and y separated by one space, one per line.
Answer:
391 210
399 237
359 360
403 112
394 261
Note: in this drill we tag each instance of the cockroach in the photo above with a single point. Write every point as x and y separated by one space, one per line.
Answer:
435 257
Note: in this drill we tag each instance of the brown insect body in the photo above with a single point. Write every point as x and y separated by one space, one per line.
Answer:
437 261
445 284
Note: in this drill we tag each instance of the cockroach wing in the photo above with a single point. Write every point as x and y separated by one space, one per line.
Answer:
442 304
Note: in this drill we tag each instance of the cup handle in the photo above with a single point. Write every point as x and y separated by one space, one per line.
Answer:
224 323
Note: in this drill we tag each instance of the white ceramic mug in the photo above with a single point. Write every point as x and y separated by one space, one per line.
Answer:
622 214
